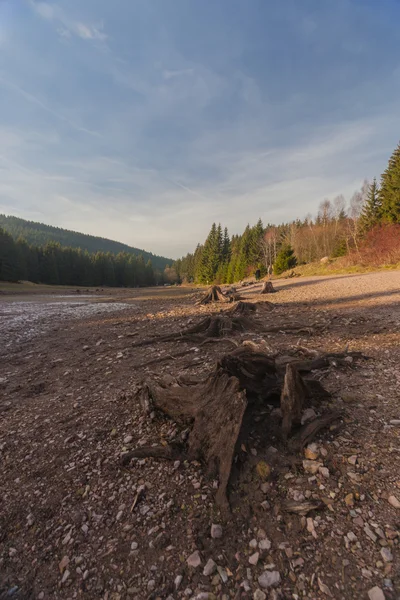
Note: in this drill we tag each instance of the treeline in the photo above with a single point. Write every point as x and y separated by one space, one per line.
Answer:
39 234
338 229
55 265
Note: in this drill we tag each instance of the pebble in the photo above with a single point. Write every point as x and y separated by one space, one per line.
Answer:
65 576
128 439
178 581
324 471
259 595
376 593
151 584
264 544
387 555
351 537
269 579
370 533
223 574
216 531
394 501
311 466
253 559
394 421
194 560
210 568
134 546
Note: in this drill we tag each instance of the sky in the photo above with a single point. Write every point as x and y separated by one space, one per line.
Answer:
145 121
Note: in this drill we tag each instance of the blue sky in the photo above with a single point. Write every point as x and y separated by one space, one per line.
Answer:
146 120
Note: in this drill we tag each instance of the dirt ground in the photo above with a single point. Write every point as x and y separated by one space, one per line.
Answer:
74 523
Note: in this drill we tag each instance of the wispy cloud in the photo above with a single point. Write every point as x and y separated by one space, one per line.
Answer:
69 26
34 100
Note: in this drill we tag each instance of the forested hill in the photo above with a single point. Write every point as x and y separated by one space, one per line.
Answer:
38 234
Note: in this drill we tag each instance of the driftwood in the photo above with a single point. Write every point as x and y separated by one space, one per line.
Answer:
267 288
308 432
243 382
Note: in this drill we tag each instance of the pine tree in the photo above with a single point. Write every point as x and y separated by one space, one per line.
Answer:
372 210
389 194
285 260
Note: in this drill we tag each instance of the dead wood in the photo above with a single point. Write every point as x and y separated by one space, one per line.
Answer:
243 381
294 394
214 294
308 432
267 288
301 508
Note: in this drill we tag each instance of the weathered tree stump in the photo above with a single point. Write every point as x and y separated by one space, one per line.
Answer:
267 288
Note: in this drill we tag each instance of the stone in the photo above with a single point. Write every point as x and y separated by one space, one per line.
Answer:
264 544
324 471
223 574
253 543
216 531
308 415
387 554
351 537
210 568
194 560
63 564
370 533
349 499
311 466
269 579
178 581
259 595
352 459
253 559
311 452
65 576
134 546
394 421
128 439
394 501
263 469
151 584
376 593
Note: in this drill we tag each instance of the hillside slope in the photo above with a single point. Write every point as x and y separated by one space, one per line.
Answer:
39 234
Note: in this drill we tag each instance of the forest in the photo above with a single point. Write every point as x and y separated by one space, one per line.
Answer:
55 265
365 229
39 234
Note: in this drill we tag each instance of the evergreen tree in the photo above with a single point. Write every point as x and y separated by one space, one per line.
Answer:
285 260
389 194
371 213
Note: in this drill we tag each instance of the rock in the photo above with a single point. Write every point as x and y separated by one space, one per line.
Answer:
349 499
210 568
216 531
394 501
311 466
311 452
263 469
63 564
351 537
387 554
259 595
65 576
151 584
265 505
264 544
324 472
223 574
253 559
253 543
308 415
178 581
311 528
324 588
352 459
128 439
394 421
370 533
194 560
134 546
269 579
376 593
265 488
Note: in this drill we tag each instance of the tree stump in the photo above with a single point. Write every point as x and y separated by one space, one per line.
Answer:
214 294
267 288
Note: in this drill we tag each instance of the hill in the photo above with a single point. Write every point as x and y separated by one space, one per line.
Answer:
39 234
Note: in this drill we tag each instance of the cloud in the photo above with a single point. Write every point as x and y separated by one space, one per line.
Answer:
167 74
69 27
34 100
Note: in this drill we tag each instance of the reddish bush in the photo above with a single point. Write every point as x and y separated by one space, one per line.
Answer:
381 246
